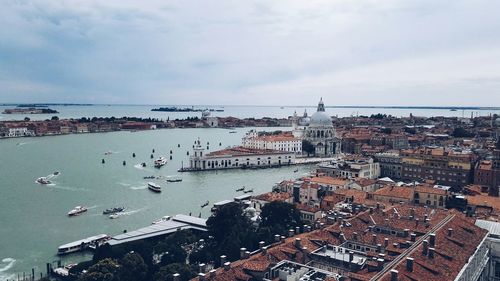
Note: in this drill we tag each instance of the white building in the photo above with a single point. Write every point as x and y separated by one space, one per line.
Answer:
20 132
283 141
354 168
237 158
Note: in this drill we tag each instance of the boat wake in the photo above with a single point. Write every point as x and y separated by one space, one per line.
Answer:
128 213
25 143
124 184
5 265
138 187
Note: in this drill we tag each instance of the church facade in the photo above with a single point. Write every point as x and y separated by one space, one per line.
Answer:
319 131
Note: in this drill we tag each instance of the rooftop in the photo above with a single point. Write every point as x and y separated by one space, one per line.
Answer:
243 151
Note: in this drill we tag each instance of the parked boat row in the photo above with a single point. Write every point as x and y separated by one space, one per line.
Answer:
113 210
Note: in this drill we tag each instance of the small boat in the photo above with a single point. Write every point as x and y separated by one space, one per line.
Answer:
108 152
114 216
296 170
160 162
240 189
163 219
77 211
205 204
232 132
174 179
154 187
113 210
43 180
149 177
56 173
248 191
143 164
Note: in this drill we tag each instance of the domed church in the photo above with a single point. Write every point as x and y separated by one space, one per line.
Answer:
320 133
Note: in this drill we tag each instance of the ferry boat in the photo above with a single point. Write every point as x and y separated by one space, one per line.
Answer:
113 210
154 187
81 245
43 180
77 211
160 162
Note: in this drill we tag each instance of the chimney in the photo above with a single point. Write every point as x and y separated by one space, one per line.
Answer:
201 276
321 225
177 277
406 232
283 238
394 275
304 227
412 212
297 243
222 260
227 265
374 239
264 250
378 205
211 273
425 247
247 254
379 248
242 253
290 233
201 268
351 256
371 210
432 239
261 245
450 232
431 253
386 242
380 263
342 237
355 236
276 238
413 237
297 229
427 222
409 264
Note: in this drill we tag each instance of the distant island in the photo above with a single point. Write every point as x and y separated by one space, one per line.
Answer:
185 109
29 110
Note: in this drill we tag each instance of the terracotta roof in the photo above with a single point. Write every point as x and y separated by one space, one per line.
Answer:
273 196
329 180
395 192
484 200
243 151
431 190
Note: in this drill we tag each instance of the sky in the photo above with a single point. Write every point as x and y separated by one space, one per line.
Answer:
391 52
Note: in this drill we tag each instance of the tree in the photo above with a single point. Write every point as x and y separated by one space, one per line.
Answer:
166 272
308 147
26 119
104 270
278 217
133 268
387 131
460 132
410 130
54 118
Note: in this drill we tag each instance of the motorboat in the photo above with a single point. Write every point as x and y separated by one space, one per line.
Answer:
154 187
56 173
232 132
149 177
43 180
108 152
113 210
143 164
240 189
174 179
77 211
114 216
160 162
163 219
248 191
205 204
81 245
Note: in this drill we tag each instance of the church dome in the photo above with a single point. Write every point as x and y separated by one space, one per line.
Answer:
320 118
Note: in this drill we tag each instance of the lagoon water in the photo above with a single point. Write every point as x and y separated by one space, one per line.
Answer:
33 220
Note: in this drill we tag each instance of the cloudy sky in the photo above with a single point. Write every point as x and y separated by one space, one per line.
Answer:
390 52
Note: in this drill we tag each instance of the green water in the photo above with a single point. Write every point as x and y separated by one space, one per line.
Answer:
33 220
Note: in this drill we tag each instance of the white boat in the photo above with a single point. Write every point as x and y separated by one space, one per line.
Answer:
154 187
114 216
43 180
160 162
80 245
163 219
174 179
77 211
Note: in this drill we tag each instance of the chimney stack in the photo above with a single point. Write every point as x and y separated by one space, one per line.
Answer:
290 233
371 210
227 265
355 236
276 238
406 232
425 247
351 256
261 245
374 239
201 276
450 232
304 227
413 237
386 242
242 253
432 239
297 229
409 264
297 243
177 277
379 248
394 275
380 263
201 268
222 260
416 222
211 273
431 253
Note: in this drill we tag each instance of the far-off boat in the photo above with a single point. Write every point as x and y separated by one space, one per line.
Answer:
154 187
77 211
160 162
43 180
113 210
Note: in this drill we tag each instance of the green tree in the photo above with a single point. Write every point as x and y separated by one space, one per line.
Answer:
54 118
308 147
26 119
387 131
133 268
104 270
166 272
460 132
278 217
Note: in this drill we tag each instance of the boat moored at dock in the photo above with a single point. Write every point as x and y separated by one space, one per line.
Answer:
88 243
